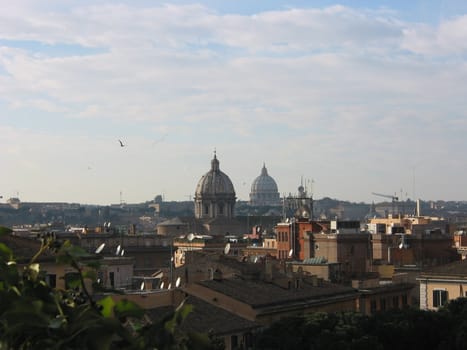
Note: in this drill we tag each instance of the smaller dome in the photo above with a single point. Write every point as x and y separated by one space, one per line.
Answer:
264 183
264 190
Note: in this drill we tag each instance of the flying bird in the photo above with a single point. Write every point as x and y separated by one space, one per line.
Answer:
121 143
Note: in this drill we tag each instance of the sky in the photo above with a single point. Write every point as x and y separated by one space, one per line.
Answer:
349 98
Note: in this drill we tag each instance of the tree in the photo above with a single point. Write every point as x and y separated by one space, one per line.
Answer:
394 329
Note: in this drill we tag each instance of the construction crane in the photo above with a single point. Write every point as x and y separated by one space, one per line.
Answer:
394 199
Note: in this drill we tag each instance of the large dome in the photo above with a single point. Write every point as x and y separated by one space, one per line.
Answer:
214 182
264 190
215 194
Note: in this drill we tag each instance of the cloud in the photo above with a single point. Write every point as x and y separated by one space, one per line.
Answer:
336 86
448 39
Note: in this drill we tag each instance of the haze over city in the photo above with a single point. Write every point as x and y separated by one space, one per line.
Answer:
358 96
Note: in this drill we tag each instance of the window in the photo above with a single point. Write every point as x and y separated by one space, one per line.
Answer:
233 342
404 300
51 280
440 297
112 279
206 209
373 306
221 209
395 302
71 280
382 304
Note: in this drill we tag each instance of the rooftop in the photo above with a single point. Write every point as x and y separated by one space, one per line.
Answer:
206 317
457 268
259 294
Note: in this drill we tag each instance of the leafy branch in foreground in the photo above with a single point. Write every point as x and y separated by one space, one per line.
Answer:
35 315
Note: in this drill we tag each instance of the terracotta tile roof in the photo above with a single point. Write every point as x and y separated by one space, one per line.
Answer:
457 268
259 294
206 318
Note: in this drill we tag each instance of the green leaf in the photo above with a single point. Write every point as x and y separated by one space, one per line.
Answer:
5 230
33 271
5 251
64 259
107 305
90 274
15 290
180 314
57 322
72 280
126 308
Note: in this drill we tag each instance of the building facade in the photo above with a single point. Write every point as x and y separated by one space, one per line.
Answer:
441 284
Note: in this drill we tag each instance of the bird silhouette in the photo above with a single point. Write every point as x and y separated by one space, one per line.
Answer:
121 143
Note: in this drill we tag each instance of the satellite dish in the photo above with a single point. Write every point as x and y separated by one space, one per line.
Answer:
169 286
190 236
162 285
100 248
290 252
122 252
177 282
142 286
227 249
118 249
